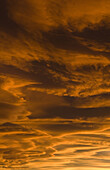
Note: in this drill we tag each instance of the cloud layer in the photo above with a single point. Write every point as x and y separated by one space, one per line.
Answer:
55 84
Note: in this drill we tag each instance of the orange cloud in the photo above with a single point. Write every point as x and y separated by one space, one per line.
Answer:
54 84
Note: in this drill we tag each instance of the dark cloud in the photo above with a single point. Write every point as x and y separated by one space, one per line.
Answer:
54 84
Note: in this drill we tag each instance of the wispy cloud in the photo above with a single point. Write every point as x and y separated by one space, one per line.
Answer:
54 84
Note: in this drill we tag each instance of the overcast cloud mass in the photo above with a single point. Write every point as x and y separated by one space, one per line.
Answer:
55 84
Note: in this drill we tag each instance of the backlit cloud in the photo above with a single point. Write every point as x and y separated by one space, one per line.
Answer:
55 84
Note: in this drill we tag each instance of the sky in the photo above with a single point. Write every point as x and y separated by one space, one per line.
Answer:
55 84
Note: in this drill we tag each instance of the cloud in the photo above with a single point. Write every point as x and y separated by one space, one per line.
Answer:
28 145
54 84
36 14
32 144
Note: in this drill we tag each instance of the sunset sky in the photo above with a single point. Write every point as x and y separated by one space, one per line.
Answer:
55 84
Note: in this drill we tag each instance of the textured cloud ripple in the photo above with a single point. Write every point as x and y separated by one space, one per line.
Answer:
55 84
